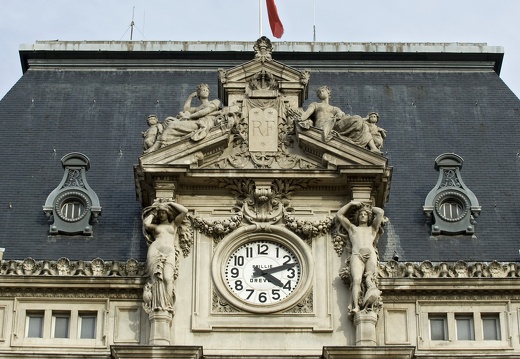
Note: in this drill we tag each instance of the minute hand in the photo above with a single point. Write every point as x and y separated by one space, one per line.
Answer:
279 268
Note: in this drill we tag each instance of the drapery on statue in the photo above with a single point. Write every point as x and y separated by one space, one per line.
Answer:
161 222
196 121
364 229
332 120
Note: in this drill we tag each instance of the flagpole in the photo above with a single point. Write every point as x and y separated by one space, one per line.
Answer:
260 17
314 22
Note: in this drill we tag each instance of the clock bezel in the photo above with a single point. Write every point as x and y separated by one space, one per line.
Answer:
252 234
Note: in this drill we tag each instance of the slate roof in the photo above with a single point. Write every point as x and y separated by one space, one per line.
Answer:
51 112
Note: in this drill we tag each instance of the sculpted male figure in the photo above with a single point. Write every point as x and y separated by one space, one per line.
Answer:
363 235
194 121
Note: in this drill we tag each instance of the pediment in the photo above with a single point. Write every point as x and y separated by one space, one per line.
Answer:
218 152
263 77
255 130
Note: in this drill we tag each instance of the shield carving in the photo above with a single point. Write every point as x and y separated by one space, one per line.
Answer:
263 130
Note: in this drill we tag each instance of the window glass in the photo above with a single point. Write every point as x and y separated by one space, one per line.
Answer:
451 209
61 324
72 209
491 326
87 325
438 327
34 325
465 329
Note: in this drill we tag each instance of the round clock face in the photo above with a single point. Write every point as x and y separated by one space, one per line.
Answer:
262 272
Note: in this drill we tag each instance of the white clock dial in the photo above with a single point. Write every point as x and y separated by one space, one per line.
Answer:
262 272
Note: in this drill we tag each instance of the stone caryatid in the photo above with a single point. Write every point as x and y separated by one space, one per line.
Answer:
332 120
363 224
161 227
193 121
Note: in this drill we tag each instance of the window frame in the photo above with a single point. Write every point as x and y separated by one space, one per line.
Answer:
430 309
34 314
60 314
50 308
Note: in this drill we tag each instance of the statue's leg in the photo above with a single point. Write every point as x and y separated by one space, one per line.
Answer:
357 268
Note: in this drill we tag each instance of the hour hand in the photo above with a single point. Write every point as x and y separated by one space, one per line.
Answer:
270 278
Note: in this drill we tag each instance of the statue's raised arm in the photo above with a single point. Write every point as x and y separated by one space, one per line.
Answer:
364 229
160 226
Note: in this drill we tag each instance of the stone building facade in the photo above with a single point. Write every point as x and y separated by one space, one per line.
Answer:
261 200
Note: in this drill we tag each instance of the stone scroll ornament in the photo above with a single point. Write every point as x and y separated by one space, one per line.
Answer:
362 131
168 233
360 226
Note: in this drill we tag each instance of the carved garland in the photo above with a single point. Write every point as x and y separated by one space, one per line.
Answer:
261 205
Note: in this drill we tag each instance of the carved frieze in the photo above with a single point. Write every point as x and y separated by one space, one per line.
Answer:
66 267
460 269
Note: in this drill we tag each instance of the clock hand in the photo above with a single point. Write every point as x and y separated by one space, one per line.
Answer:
270 278
258 272
279 268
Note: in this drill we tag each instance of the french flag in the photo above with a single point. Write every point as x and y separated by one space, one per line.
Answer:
274 19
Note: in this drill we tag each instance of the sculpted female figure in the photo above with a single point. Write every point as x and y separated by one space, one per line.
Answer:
363 260
160 225
324 114
332 120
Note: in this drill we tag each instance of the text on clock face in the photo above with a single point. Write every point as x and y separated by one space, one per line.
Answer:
262 272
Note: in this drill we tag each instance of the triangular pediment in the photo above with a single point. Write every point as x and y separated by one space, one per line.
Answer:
308 151
263 77
255 130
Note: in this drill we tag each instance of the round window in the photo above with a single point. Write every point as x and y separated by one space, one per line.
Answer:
72 209
452 206
72 206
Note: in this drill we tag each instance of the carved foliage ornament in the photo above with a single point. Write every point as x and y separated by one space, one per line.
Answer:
65 267
262 204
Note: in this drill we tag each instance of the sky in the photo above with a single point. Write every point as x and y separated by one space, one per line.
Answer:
422 21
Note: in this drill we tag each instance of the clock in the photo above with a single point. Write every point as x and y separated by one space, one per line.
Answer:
262 272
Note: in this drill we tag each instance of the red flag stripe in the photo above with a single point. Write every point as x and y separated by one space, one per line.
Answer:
274 19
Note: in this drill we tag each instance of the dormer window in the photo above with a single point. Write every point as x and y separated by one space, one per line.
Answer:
451 206
73 204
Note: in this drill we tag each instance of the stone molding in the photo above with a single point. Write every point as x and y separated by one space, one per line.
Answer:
66 267
459 269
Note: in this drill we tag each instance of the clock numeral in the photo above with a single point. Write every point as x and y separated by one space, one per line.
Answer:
250 291
239 261
249 252
235 272
262 297
290 276
275 294
287 258
287 285
277 252
263 249
239 285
